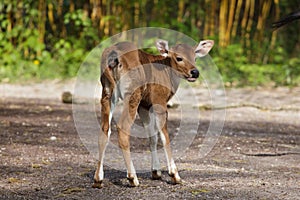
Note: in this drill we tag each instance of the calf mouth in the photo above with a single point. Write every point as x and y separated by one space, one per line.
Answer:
191 79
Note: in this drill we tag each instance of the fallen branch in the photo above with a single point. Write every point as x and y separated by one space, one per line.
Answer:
247 104
270 154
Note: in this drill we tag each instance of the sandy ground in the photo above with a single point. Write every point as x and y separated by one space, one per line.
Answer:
256 156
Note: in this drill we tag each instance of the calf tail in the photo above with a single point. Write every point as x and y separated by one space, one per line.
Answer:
112 59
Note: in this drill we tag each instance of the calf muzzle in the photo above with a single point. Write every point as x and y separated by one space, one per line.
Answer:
194 73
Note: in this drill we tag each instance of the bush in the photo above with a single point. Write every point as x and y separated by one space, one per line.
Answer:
25 57
237 70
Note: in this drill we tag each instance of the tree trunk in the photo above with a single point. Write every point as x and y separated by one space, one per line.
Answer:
223 22
230 22
41 23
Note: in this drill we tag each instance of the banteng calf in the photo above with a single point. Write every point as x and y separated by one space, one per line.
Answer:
145 83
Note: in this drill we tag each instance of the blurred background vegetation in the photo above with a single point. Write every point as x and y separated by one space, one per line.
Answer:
47 39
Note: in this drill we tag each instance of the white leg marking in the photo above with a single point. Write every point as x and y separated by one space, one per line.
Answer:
163 138
110 118
131 171
173 168
101 174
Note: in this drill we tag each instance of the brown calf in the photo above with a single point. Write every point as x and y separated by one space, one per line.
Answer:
145 83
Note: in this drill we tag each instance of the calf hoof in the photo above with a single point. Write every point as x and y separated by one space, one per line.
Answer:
97 184
156 174
175 179
134 182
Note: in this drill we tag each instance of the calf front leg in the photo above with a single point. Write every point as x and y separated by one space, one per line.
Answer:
172 169
161 121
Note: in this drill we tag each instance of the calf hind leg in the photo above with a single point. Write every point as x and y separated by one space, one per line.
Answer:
126 120
125 146
99 174
106 116
148 120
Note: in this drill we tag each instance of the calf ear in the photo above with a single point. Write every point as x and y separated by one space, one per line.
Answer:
163 47
204 47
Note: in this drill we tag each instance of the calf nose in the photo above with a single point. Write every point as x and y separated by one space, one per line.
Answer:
195 73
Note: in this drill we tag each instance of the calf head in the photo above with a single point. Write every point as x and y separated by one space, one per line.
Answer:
182 57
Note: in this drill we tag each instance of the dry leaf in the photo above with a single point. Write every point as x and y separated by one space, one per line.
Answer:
13 180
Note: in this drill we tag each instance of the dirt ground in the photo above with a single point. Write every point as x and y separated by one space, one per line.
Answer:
257 155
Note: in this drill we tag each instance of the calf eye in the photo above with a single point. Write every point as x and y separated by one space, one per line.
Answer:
179 59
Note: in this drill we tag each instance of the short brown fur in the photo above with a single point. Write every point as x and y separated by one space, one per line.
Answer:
144 82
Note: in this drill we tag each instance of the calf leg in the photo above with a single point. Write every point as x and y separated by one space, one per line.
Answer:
107 108
125 146
156 171
172 169
161 122
148 120
126 120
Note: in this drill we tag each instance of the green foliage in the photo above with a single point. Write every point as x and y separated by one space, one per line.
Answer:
68 57
292 71
29 53
80 27
238 70
229 60
25 57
